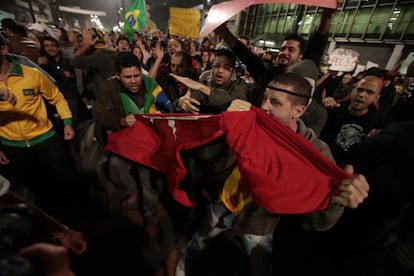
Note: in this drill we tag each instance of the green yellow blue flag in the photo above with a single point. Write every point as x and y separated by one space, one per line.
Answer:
135 18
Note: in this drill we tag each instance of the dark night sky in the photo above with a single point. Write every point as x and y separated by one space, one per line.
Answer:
159 8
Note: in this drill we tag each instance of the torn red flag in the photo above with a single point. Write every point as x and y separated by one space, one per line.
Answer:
284 171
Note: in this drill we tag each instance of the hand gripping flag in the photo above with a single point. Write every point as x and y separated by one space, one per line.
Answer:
285 173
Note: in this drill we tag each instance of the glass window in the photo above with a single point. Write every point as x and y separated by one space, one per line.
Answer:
270 24
284 7
289 24
351 3
343 22
361 22
270 8
401 20
387 1
279 26
378 21
305 25
292 7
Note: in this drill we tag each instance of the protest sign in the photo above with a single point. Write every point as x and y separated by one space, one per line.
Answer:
344 60
184 22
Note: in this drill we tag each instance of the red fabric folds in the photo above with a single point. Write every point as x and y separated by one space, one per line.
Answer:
285 172
156 141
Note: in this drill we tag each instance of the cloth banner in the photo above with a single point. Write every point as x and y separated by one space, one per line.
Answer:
220 13
135 18
283 170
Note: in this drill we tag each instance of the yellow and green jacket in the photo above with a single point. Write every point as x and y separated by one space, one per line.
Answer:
27 123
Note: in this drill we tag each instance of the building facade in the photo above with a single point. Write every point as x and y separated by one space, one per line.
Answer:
381 31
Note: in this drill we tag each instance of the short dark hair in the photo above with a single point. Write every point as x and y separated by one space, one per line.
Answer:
229 54
47 38
375 71
296 37
245 38
299 85
126 60
8 23
122 37
64 37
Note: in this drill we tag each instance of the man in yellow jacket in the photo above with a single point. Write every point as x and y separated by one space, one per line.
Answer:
32 153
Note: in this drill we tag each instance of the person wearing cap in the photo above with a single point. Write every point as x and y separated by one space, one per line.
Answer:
38 158
285 100
18 41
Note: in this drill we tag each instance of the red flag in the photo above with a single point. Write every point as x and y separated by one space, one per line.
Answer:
284 171
157 140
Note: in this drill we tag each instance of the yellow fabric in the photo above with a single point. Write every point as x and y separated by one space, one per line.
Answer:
235 194
157 90
28 118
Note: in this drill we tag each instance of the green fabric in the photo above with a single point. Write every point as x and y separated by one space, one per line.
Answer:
135 18
130 106
28 143
16 69
150 86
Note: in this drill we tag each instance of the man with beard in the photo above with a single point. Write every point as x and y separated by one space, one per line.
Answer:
292 51
180 65
61 70
349 124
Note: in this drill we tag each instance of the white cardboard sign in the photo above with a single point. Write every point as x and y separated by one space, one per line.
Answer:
344 60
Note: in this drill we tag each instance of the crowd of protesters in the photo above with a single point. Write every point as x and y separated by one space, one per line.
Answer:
63 91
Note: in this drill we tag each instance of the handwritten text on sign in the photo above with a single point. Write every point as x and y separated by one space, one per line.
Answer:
344 60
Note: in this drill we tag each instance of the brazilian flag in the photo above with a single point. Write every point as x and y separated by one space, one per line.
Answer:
135 18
